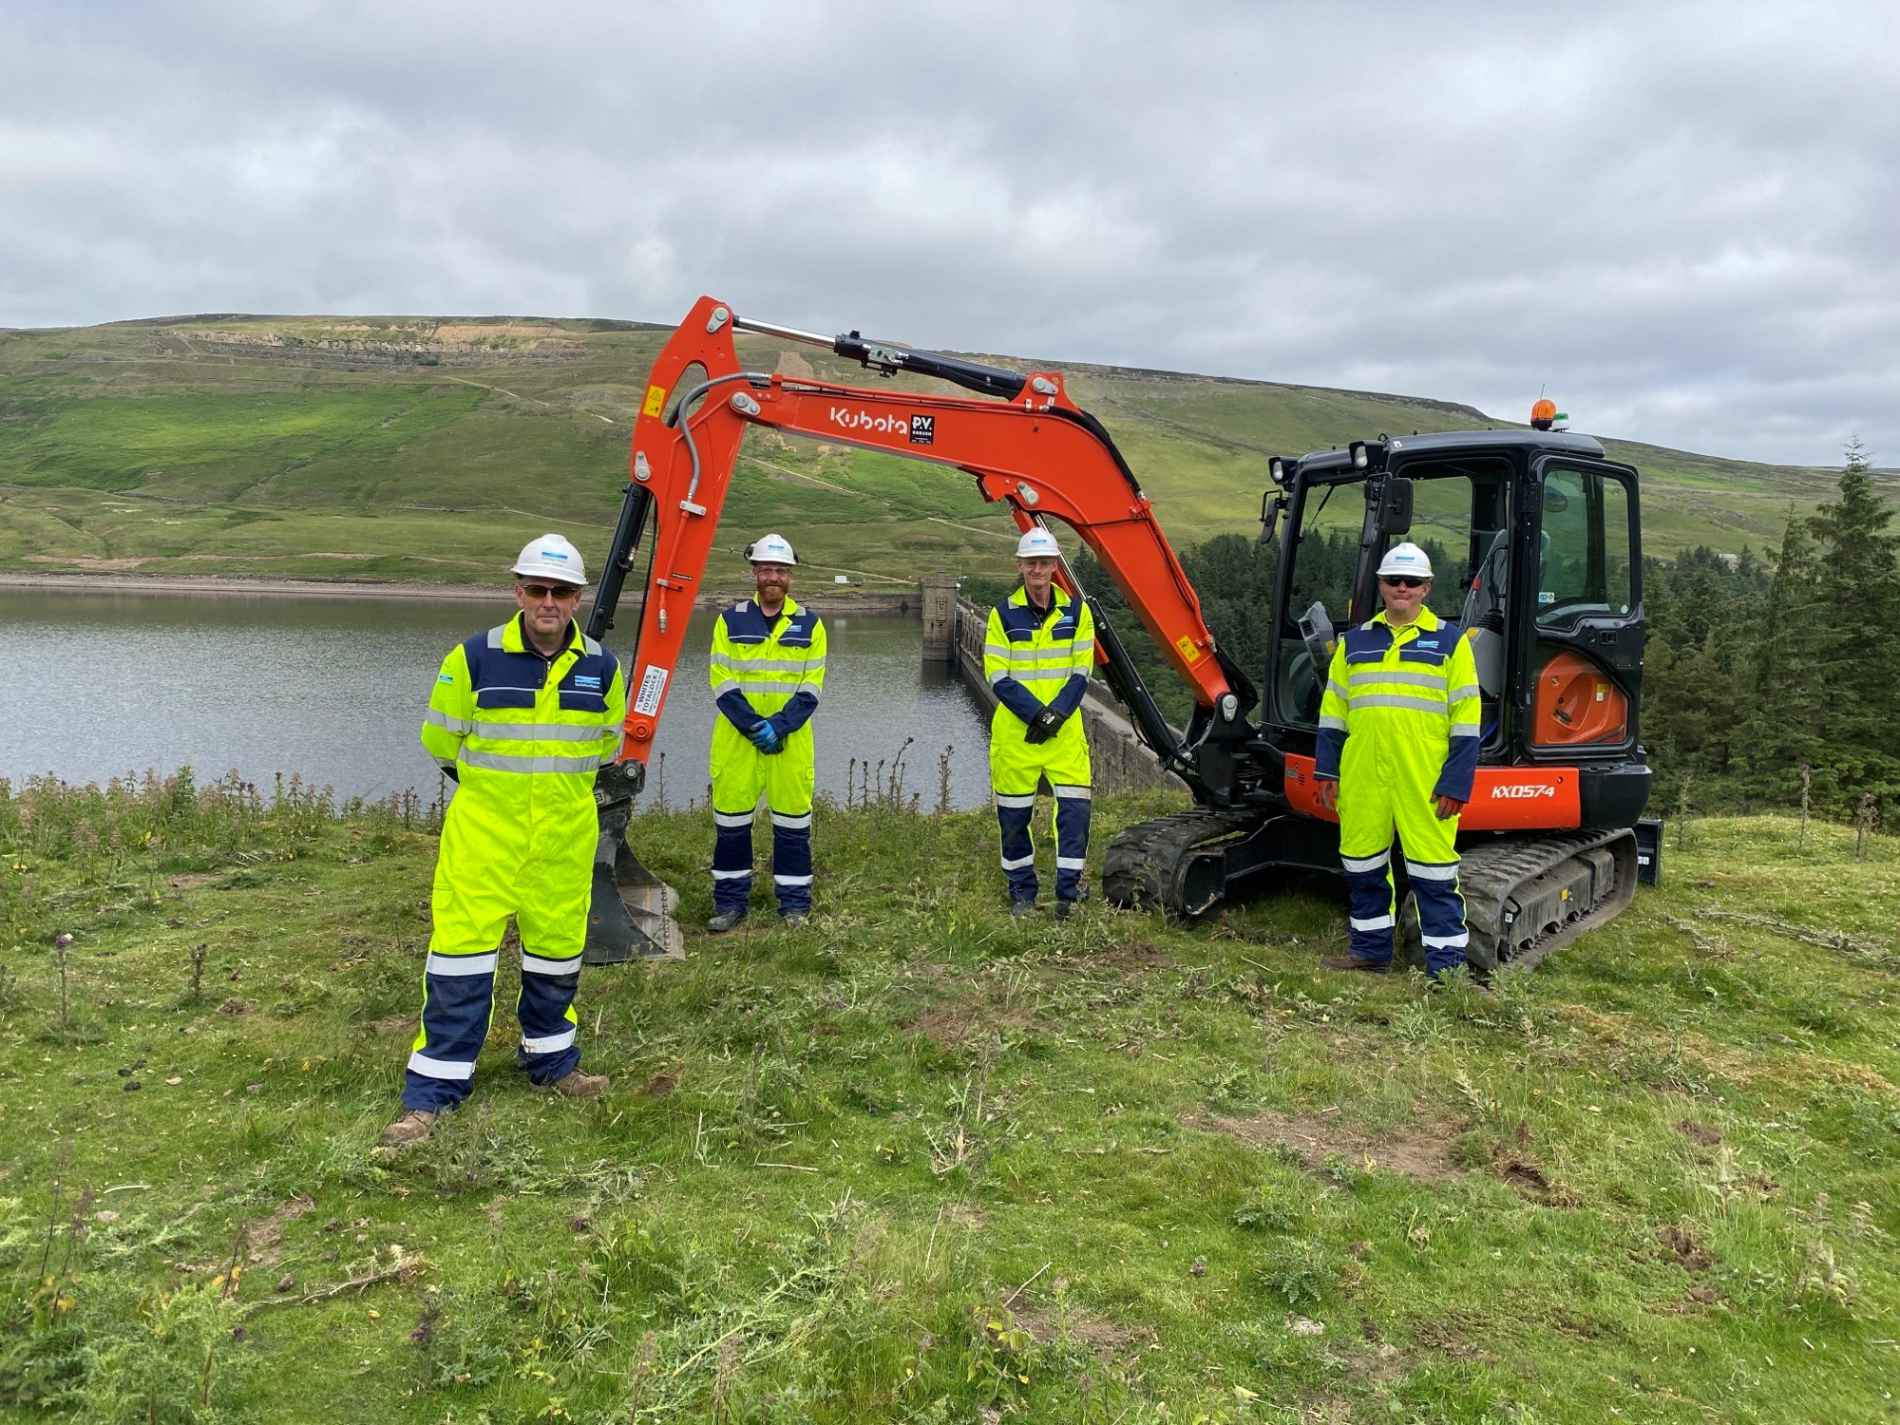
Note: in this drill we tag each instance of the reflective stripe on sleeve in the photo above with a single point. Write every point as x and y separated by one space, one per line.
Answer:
1464 729
719 690
451 965
1470 690
1333 687
997 650
548 1044
1042 675
439 1068
765 665
1333 724
457 725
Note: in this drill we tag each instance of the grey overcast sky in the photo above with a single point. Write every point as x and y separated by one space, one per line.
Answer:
1681 219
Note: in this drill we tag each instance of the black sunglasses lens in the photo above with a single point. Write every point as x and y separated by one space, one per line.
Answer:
1402 582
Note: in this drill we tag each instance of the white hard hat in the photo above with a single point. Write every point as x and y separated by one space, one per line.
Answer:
551 557
773 549
1038 543
1406 558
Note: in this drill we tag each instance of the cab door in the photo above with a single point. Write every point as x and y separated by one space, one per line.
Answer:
1581 618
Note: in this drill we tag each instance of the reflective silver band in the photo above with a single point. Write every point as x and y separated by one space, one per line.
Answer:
1397 675
535 965
813 688
1398 700
439 1068
497 762
1377 922
1334 724
495 633
1017 802
732 818
461 964
1365 863
1071 863
1051 675
779 880
719 690
753 685
1333 687
1066 789
1464 729
457 725
1458 695
1425 871
732 875
1446 942
792 823
767 665
551 1044
538 732
1019 862
997 650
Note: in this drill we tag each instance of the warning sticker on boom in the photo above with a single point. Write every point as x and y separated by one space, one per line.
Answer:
1188 650
652 685
655 402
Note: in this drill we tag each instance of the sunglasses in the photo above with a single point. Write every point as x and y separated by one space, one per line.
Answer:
538 592
1401 581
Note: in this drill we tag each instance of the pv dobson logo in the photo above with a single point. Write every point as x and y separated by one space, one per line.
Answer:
1523 791
923 430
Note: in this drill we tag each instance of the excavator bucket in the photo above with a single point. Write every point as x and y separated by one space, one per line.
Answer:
630 914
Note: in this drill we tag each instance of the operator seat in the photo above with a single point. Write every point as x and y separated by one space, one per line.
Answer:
1483 617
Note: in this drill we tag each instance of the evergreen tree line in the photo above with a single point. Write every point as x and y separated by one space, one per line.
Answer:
1754 670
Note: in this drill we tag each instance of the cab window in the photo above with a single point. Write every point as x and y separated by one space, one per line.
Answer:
1584 554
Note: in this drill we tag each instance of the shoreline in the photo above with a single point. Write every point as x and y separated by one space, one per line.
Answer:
909 601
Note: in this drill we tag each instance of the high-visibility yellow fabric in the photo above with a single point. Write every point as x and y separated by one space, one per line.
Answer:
772 669
1039 652
525 737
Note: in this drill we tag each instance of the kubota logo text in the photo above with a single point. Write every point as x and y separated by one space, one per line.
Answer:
1522 791
847 419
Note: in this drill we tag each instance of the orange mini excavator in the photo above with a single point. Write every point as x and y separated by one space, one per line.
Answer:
1543 527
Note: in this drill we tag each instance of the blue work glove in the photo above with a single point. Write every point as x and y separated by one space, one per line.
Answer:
765 738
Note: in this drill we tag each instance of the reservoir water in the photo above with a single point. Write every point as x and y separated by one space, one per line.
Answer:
95 685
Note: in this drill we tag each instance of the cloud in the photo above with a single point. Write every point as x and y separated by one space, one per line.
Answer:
1679 218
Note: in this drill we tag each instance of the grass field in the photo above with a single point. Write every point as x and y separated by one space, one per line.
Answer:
919 1162
421 448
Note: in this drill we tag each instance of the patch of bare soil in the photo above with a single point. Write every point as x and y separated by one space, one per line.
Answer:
954 1023
235 1007
661 1085
1132 958
1531 1181
1685 1248
1105 1338
1700 1132
192 880
395 1024
264 1238
1422 1153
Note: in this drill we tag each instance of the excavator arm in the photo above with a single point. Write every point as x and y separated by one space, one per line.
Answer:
1023 440
1027 445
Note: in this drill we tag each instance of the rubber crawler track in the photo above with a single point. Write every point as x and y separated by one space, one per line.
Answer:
1491 873
1141 869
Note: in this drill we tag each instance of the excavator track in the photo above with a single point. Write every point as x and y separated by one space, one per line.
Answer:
1143 866
1526 896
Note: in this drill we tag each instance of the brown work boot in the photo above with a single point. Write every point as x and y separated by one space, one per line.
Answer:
413 1127
1353 962
579 1085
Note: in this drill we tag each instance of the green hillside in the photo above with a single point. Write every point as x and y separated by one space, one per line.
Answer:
430 448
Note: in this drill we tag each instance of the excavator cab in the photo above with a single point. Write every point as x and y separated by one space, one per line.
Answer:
1535 540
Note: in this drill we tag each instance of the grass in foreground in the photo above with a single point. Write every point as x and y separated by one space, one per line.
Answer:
921 1163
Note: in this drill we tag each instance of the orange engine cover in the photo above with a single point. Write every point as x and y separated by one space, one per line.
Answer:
1576 703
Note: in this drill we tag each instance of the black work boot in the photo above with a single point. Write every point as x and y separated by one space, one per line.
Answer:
1353 962
725 920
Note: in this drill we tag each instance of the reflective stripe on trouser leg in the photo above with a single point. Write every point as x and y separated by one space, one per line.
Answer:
1019 852
1072 839
458 993
549 1050
1431 865
732 859
791 860
1369 884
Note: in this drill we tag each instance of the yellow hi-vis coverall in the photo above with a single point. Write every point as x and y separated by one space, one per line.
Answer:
1036 659
764 671
523 736
1398 728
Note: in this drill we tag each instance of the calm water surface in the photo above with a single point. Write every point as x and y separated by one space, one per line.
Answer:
97 685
